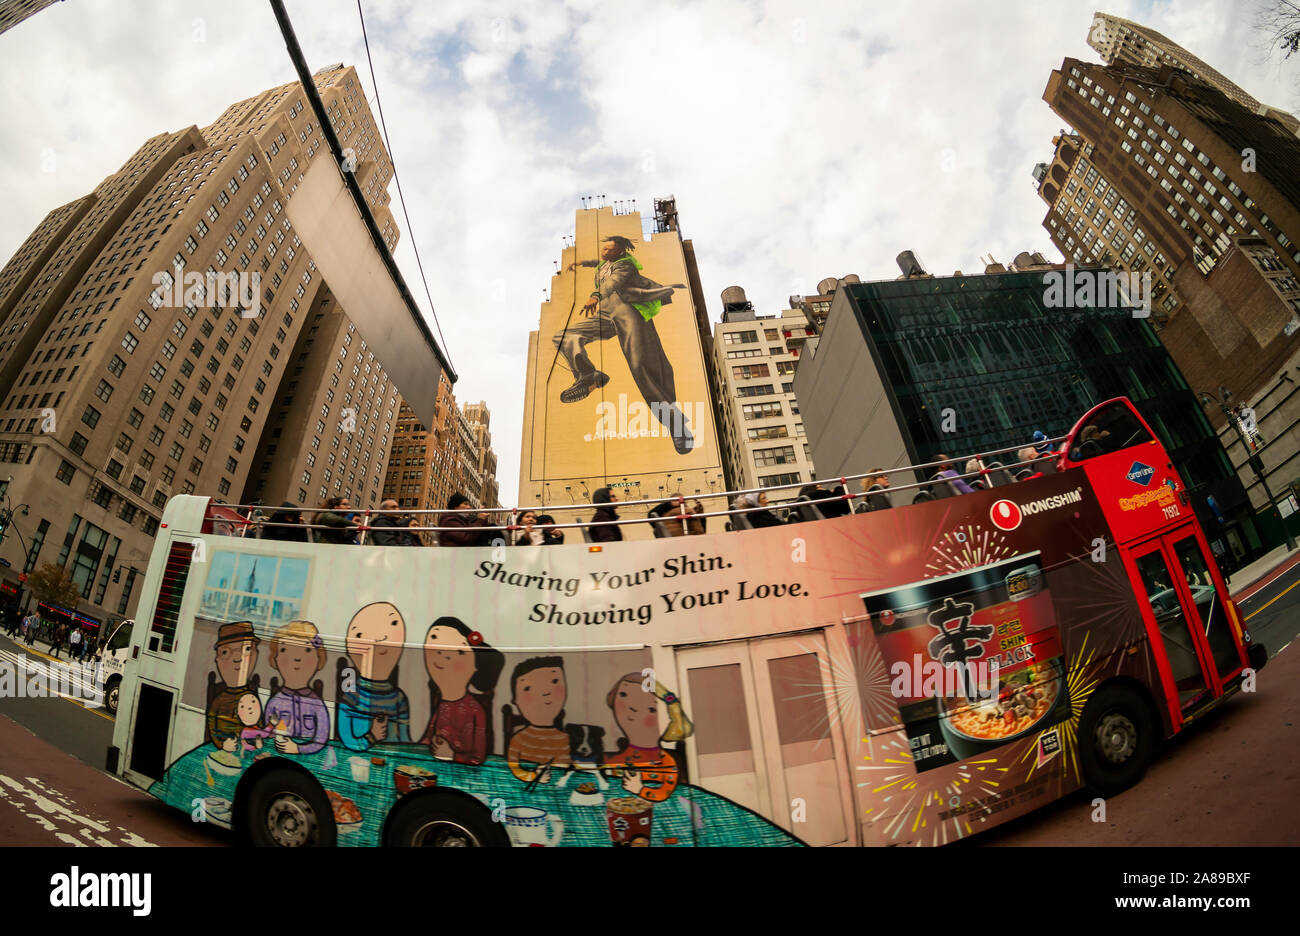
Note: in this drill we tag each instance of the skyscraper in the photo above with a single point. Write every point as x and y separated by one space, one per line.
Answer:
158 332
617 391
479 418
1166 174
1121 40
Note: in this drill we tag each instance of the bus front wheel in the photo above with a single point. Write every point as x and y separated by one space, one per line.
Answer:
111 692
288 810
1115 739
445 821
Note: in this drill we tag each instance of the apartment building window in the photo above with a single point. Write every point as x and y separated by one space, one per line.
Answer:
90 417
781 455
65 472
761 410
768 432
740 337
777 480
116 366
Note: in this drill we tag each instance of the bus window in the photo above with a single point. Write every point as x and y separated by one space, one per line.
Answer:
722 738
1214 618
1108 430
803 727
1175 633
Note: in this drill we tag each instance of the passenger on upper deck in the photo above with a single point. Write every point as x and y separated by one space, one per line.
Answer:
876 487
757 518
673 510
531 534
391 529
470 535
604 514
550 535
949 474
337 527
288 513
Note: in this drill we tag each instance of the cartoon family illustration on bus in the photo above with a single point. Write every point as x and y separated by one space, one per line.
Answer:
373 712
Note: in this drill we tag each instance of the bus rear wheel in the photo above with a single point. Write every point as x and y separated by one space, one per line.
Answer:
445 821
289 810
1116 737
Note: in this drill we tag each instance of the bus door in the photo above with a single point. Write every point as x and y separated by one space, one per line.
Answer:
768 733
1186 618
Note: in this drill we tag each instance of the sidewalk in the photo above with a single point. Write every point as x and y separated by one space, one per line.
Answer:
19 641
1250 579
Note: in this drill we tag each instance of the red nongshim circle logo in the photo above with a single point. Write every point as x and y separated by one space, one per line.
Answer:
1005 514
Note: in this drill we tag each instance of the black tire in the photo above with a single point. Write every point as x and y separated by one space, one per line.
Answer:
112 689
445 820
1116 738
289 810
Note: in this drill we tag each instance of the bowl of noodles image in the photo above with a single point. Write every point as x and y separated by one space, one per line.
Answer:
1025 703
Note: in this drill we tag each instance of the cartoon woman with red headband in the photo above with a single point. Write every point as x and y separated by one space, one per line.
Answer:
463 672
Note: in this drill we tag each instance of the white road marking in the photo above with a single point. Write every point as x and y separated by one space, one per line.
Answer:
56 813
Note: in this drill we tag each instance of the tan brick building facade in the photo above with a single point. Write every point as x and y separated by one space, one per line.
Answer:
123 383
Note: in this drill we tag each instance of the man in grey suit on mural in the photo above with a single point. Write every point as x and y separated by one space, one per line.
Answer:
624 303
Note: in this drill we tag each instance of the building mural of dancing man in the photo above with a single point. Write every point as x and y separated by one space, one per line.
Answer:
624 303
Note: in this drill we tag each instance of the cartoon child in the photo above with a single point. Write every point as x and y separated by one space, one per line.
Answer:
372 709
236 658
463 673
298 654
538 690
648 770
250 717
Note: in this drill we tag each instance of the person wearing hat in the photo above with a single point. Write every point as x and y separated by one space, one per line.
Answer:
1041 445
236 658
466 522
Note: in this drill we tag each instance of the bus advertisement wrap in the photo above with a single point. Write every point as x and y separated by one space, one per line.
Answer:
718 689
975 658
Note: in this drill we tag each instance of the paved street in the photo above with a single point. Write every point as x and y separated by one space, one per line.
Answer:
1227 781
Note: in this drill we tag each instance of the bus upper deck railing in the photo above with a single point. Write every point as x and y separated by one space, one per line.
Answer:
255 518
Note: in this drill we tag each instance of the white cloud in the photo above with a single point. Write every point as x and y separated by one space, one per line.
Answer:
802 139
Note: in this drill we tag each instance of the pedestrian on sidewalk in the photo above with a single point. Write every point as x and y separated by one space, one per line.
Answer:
74 644
56 639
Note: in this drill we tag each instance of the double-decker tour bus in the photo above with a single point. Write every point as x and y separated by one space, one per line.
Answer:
906 673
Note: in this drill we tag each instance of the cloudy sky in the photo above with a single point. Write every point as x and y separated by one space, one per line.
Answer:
801 139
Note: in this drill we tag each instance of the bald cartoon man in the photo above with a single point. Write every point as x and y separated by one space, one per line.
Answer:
374 709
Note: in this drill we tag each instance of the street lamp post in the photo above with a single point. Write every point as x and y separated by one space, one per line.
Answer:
1221 400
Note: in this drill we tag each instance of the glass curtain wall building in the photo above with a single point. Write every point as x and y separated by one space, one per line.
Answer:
973 363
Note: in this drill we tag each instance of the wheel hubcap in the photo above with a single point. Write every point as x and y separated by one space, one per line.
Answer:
291 821
112 699
1116 737
443 833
